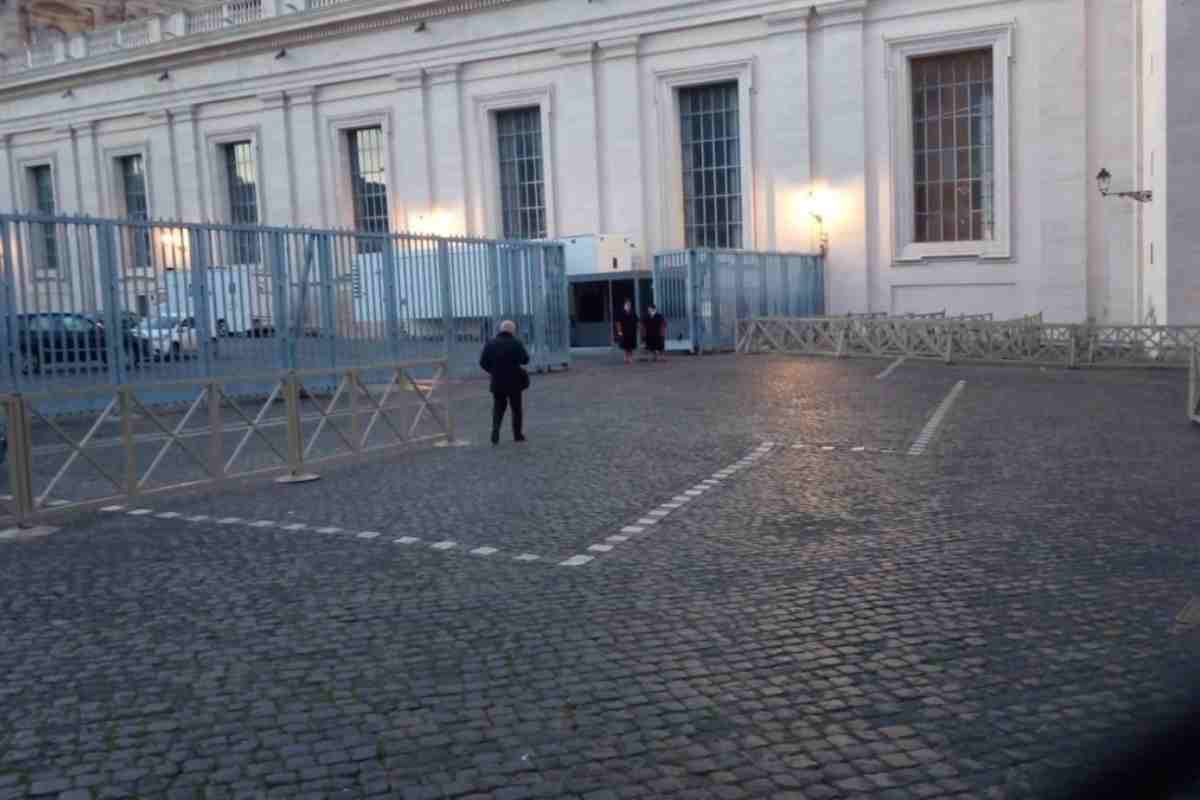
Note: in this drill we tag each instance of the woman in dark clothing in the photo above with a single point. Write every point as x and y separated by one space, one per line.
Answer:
655 332
627 330
504 358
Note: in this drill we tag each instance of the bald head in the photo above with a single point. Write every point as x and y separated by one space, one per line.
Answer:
508 326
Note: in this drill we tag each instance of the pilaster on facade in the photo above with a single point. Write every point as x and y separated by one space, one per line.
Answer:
413 189
191 204
448 154
7 183
278 183
785 133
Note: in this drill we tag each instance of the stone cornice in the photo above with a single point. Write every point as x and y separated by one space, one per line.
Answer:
787 21
271 33
272 101
301 97
843 12
445 73
625 47
409 79
577 53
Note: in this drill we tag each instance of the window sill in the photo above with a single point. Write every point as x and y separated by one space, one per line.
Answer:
917 254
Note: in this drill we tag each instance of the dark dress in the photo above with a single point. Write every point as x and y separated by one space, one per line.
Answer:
656 328
627 323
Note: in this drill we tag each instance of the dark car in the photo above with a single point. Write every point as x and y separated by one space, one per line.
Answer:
51 339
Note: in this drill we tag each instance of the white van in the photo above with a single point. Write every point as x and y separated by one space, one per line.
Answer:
240 299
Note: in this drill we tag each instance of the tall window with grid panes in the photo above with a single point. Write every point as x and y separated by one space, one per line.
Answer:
45 239
241 181
522 182
712 170
368 186
137 245
953 148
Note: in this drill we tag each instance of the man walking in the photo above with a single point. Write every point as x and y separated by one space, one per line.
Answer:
503 359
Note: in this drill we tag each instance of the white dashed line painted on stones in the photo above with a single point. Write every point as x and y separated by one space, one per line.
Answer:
931 427
293 527
677 502
19 534
893 366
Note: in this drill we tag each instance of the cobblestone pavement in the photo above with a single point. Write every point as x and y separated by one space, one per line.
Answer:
829 617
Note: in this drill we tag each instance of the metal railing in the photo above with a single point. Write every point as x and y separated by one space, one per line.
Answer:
226 16
113 302
1017 341
705 294
55 465
1194 385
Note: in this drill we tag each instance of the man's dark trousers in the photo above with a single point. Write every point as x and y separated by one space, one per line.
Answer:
500 403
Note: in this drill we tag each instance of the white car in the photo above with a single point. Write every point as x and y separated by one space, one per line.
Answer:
168 337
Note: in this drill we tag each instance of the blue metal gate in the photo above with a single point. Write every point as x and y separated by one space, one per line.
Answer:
87 301
703 293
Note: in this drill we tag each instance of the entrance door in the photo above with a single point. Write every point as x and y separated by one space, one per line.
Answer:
591 322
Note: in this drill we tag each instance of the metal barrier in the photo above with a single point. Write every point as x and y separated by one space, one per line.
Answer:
1194 385
56 465
705 294
117 302
1017 341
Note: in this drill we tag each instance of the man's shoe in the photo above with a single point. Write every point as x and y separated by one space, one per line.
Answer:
519 438
495 437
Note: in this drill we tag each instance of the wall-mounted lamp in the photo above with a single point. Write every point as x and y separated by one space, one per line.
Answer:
281 54
1104 180
822 236
421 27
166 76
290 7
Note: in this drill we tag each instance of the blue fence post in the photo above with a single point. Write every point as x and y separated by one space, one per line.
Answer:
106 247
12 347
202 303
564 299
691 301
443 260
493 287
328 295
785 285
391 302
279 286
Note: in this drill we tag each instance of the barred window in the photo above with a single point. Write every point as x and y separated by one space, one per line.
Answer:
953 147
712 176
137 209
522 182
241 179
368 185
45 238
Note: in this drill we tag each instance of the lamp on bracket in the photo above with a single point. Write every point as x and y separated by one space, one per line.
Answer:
1104 181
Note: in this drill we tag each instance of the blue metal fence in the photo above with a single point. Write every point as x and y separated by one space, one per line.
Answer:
703 293
89 301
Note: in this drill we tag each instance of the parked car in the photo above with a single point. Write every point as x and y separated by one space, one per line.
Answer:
167 337
56 338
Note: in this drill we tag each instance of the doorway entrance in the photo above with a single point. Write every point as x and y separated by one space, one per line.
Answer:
594 304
